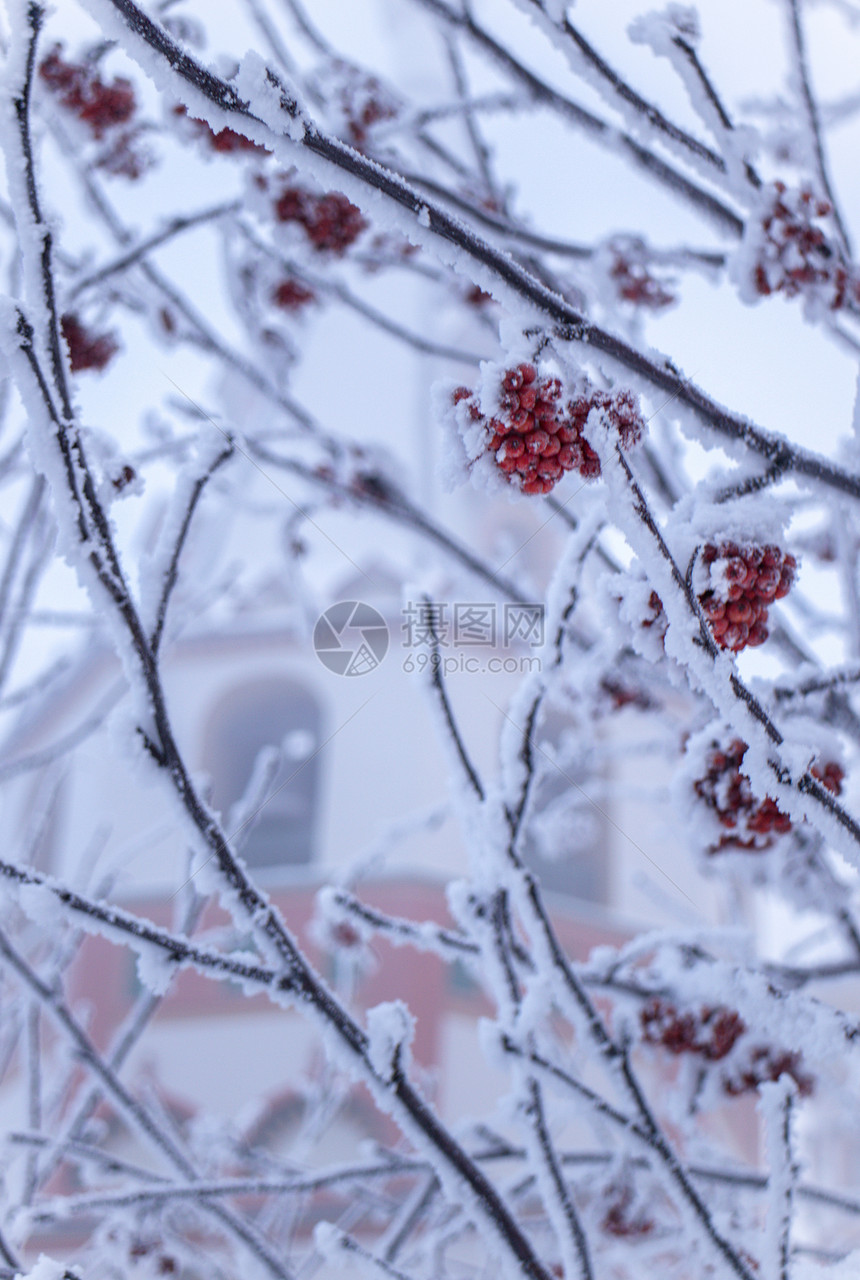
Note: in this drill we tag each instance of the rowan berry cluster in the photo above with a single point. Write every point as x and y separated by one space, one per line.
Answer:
795 254
87 350
292 295
657 617
331 221
80 90
225 142
345 936
536 435
622 1219
712 1034
103 108
766 1063
744 582
164 1263
634 283
363 102
123 478
477 297
753 823
624 695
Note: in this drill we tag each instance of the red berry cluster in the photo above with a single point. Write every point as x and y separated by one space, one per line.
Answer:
331 221
345 935
165 1264
477 297
622 1220
358 101
658 617
625 695
101 106
121 157
634 283
745 581
87 350
830 775
124 477
225 142
711 1033
364 103
753 823
292 295
765 1063
104 108
796 255
536 436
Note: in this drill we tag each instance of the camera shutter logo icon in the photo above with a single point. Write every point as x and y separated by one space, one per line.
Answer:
351 638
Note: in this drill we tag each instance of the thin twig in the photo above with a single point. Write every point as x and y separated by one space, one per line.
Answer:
798 43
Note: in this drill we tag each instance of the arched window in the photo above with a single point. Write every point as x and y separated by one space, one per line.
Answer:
279 714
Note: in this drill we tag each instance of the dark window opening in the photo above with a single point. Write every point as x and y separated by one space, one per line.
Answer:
259 717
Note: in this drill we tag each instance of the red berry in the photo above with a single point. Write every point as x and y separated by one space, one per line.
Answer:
87 350
739 611
831 776
536 441
514 447
292 296
521 420
331 221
